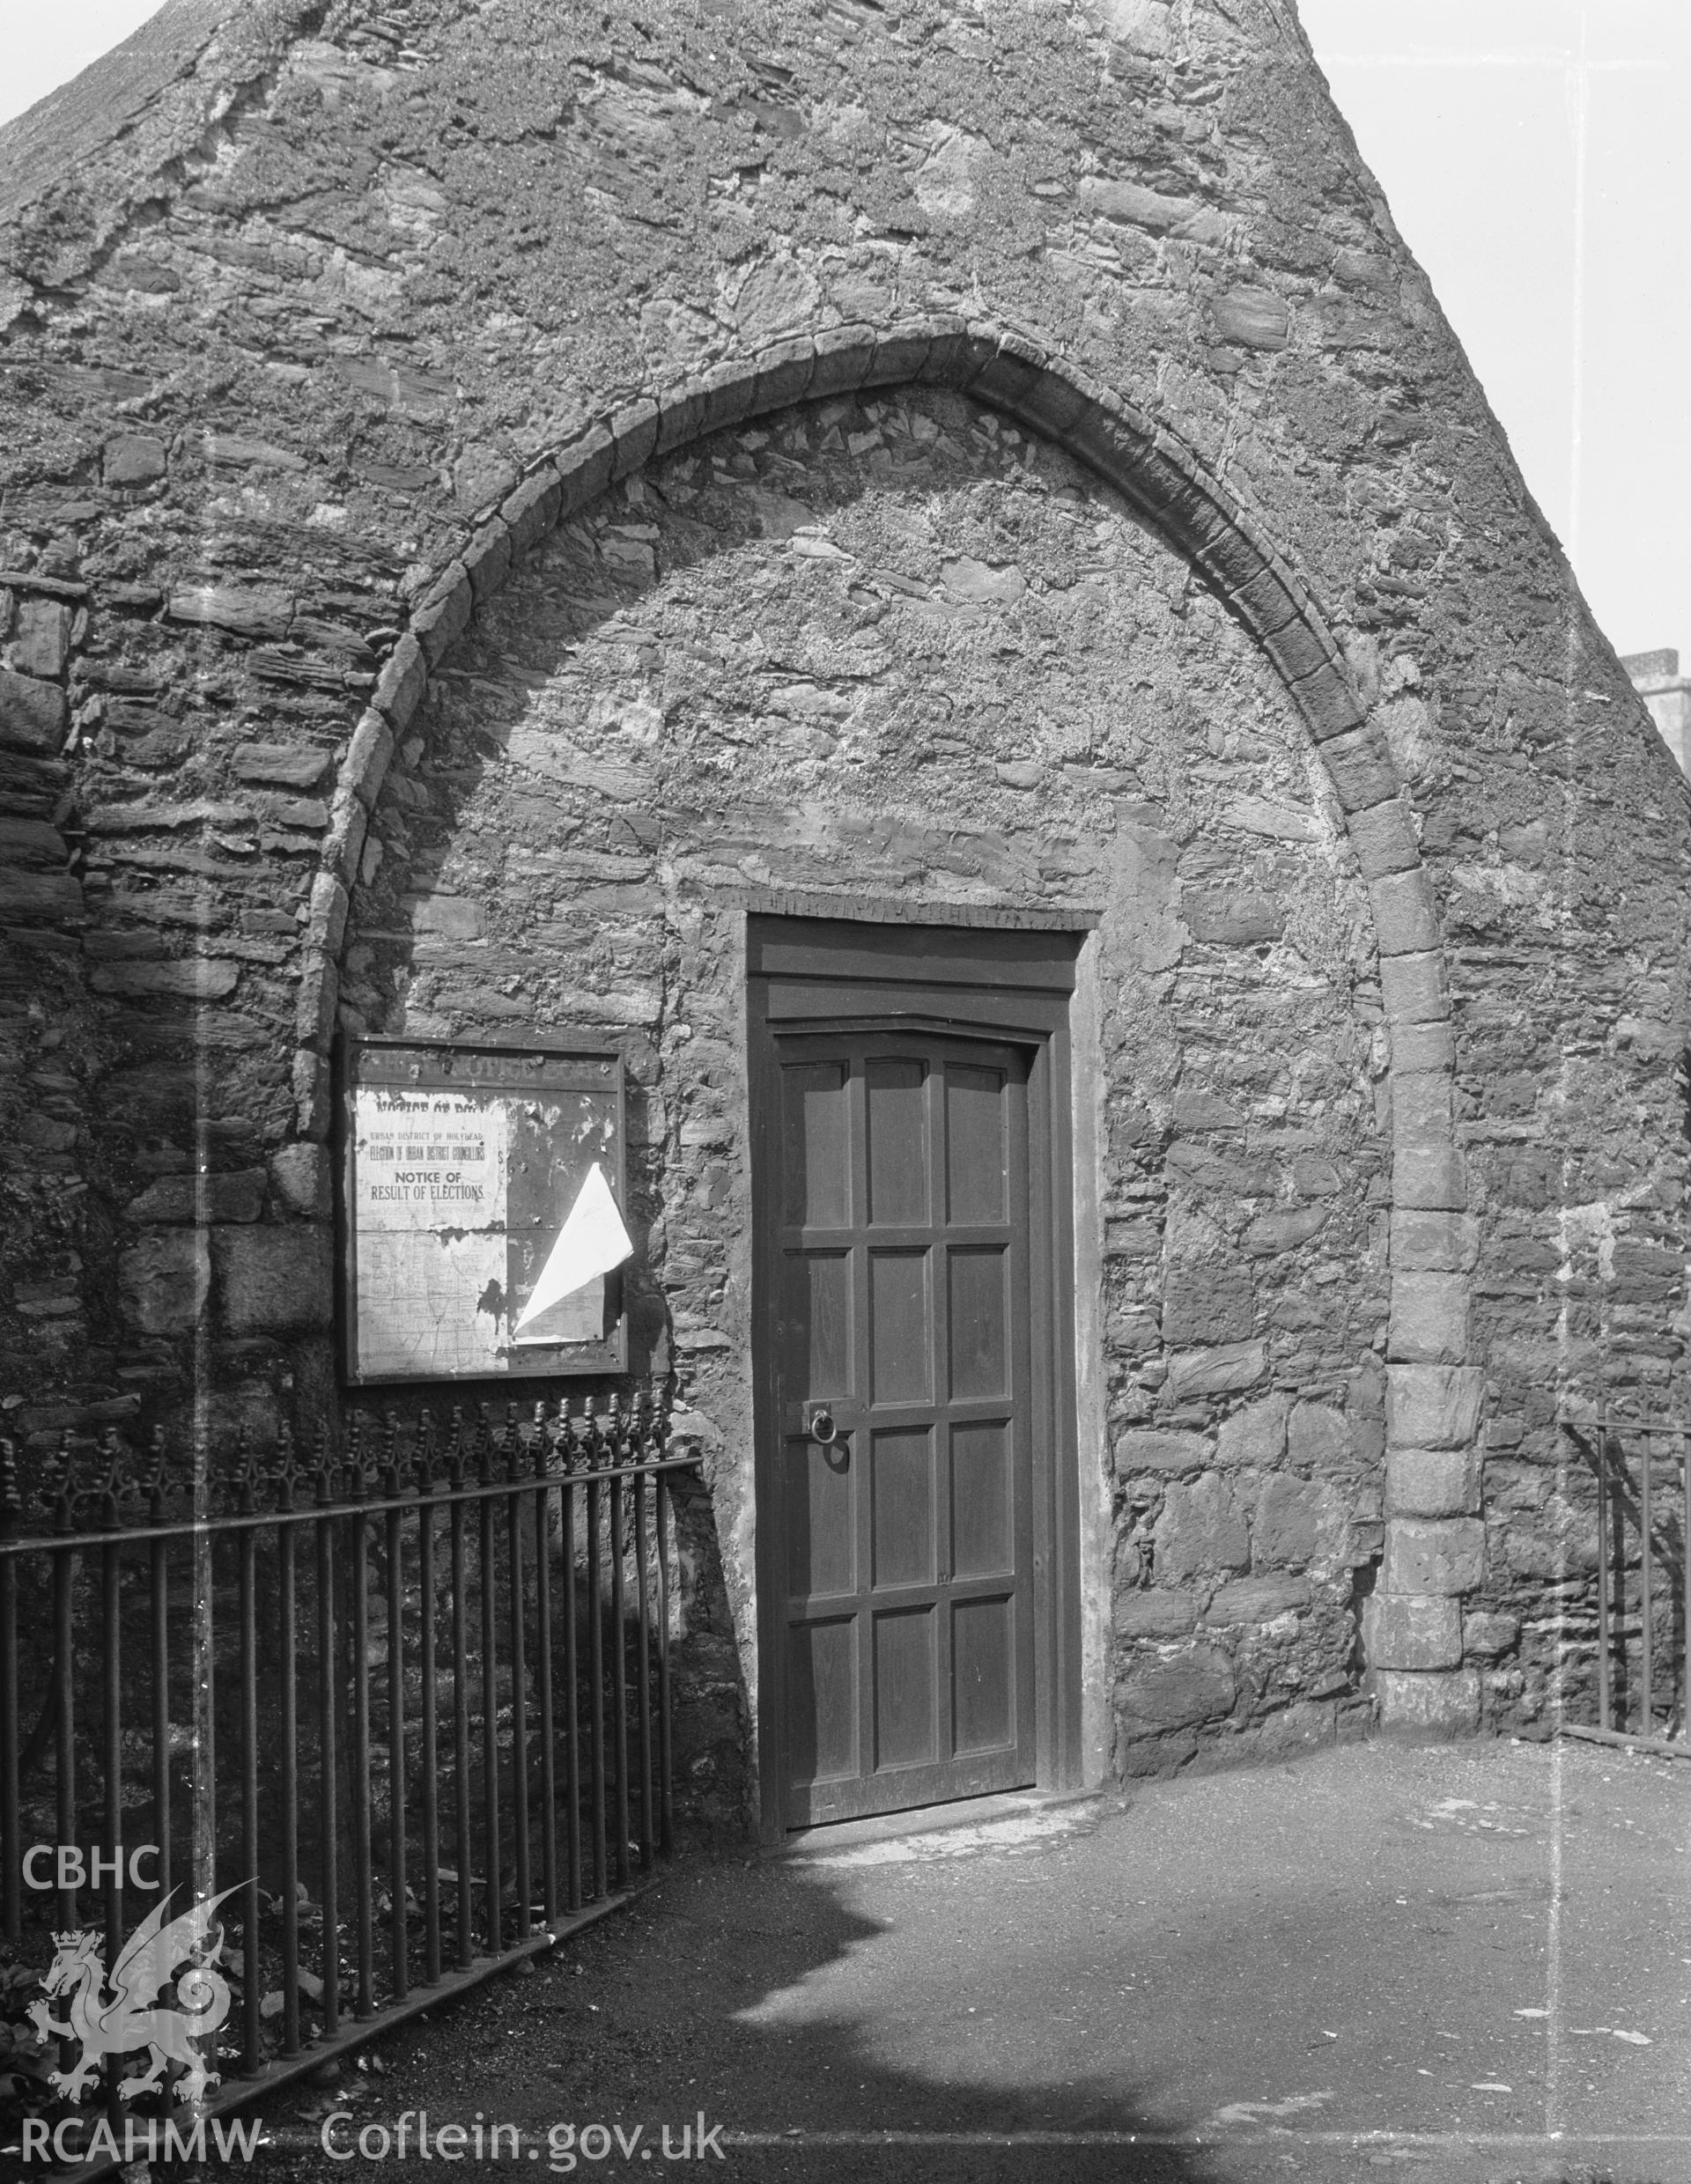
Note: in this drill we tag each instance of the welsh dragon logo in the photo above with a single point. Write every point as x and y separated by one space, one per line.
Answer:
131 2019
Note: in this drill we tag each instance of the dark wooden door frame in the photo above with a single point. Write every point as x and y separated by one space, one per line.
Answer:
815 974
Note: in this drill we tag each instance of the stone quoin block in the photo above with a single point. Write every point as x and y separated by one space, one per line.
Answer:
1433 1406
1423 1049
1430 1707
1434 1555
1416 988
1428 1243
1417 1631
34 714
1430 1318
1430 1175
1361 772
1433 1482
1261 597
1406 917
312 1095
1382 839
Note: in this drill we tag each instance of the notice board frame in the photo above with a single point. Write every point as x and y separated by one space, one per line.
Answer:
538 1063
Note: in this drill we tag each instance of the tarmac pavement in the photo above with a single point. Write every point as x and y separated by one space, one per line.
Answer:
1468 1963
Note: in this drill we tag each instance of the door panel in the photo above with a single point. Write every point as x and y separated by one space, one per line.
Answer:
899 1199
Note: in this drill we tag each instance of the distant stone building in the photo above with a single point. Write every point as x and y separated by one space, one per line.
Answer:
937 578
1667 693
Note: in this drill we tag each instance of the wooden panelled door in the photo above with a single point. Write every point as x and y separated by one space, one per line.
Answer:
896 1325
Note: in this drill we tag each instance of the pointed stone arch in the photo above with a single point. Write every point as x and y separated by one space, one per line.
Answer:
1434 1535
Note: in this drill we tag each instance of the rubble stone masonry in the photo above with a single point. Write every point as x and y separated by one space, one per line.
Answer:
492 494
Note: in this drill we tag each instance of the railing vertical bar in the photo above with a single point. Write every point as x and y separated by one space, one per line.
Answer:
643 1670
252 1993
363 2003
1604 1688
596 1684
619 1680
1647 1586
330 1818
517 1561
490 1715
111 1604
288 1761
64 1569
572 1709
396 1873
543 1699
159 1606
664 1516
111 1608
460 1741
429 1757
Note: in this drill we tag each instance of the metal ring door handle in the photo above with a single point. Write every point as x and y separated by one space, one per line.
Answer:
821 1427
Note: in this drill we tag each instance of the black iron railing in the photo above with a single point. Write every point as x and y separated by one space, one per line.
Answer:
405 1706
1643 1573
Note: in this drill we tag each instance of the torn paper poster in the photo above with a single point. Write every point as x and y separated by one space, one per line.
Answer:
591 1243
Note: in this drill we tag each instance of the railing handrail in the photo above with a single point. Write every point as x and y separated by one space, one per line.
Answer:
311 1512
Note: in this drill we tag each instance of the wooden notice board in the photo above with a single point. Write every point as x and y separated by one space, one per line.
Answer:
482 1211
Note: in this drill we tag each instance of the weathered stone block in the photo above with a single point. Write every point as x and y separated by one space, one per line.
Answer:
1222 1370
1430 1173
35 715
1382 839
1233 916
1361 773
303 1179
1433 1482
1406 917
1429 1319
531 510
1429 1706
1427 1243
1434 1555
1148 1449
1317 1437
1258 1599
191 978
1155 1614
163 1281
134 459
440 617
245 610
283 765
368 757
1200 1529
400 686
1255 1437
1419 1050
237 1196
1270 1234
1416 988
1207 1304
1286 1523
1254 318
275 1281
1490 1634
451 917
1197 1685
1433 1406
40 640
1419 1631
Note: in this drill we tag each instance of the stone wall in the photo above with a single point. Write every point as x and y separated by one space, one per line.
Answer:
321 318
